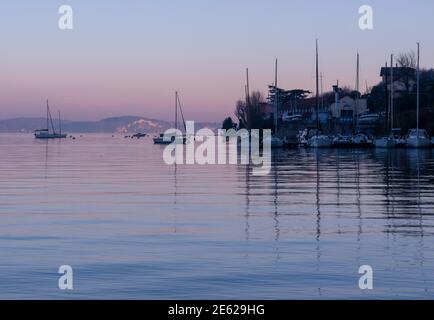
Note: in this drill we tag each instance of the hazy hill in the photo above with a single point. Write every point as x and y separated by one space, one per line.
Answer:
124 124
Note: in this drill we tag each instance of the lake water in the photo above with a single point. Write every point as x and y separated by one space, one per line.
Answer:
133 227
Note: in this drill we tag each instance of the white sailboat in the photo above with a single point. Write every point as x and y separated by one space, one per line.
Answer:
176 139
418 138
360 139
318 140
45 133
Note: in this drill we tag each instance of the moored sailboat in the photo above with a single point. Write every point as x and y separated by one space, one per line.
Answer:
176 138
45 133
318 140
388 141
418 138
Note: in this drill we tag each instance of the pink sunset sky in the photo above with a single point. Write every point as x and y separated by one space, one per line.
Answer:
128 57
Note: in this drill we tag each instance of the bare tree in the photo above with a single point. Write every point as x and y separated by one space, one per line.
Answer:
407 60
241 113
249 114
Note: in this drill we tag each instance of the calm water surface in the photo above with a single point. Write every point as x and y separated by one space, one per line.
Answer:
134 228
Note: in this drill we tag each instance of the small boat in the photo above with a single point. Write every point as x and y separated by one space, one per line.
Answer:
362 140
341 141
45 133
286 117
160 139
368 118
174 138
302 137
400 142
276 142
418 138
385 142
138 135
319 141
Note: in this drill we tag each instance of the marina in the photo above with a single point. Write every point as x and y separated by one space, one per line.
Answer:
298 119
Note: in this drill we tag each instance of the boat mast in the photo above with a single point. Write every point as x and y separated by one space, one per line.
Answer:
322 92
182 114
176 109
357 93
60 124
48 126
276 99
386 80
337 95
248 100
417 93
51 119
317 89
391 93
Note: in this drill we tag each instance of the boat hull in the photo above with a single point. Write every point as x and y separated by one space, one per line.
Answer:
277 143
320 141
50 136
361 140
342 142
418 142
385 142
161 140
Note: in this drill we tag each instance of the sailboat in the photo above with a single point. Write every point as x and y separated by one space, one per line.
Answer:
418 138
360 139
276 142
388 141
176 139
318 140
45 133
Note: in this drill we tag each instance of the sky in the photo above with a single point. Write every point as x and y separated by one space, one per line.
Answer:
127 57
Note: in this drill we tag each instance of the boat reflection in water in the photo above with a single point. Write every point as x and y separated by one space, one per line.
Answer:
172 232
344 208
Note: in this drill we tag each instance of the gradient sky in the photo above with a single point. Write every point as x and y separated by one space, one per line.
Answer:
127 57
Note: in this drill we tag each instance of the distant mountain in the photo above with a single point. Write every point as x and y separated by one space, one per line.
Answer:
123 124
